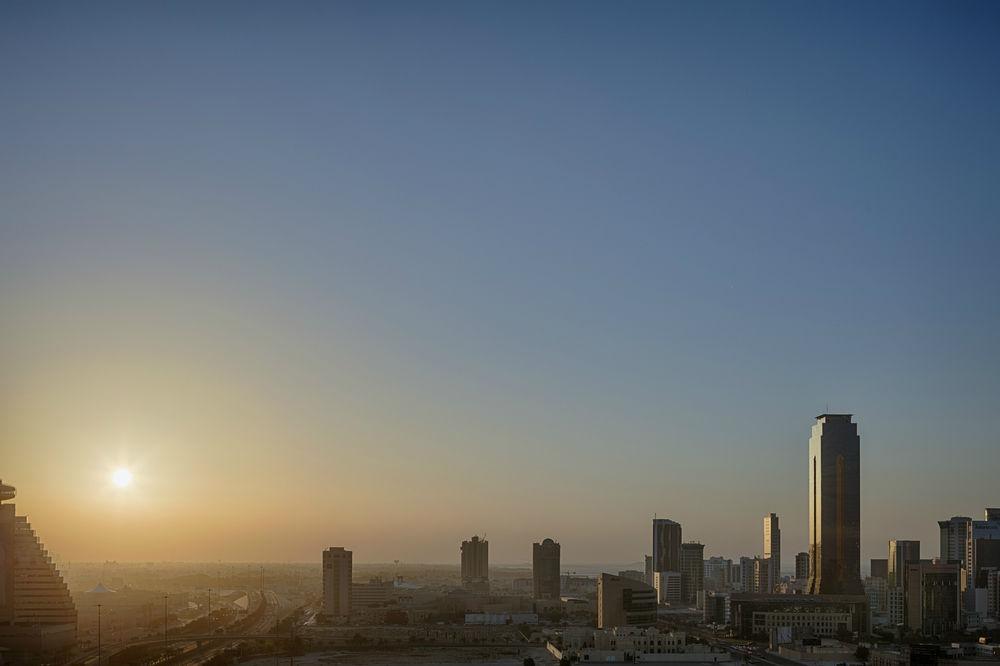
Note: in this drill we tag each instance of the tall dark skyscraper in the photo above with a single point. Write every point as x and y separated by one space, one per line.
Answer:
545 569
666 545
901 553
476 564
835 506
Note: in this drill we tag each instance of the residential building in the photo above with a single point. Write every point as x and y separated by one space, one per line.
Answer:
772 549
37 613
692 571
337 588
895 601
835 506
624 602
476 564
545 569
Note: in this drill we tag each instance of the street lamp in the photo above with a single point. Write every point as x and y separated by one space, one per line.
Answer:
98 634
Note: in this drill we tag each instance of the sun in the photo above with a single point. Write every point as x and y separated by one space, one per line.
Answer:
121 477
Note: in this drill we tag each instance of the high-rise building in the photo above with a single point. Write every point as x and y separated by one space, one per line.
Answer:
901 553
835 506
337 590
746 568
802 566
763 572
954 532
37 613
932 598
979 557
668 587
875 589
717 573
545 569
476 563
648 559
666 545
692 571
772 548
880 568
624 602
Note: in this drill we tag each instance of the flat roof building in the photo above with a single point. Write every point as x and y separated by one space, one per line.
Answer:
624 602
337 588
835 506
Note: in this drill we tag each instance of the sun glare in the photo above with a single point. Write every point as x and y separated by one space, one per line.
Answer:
121 477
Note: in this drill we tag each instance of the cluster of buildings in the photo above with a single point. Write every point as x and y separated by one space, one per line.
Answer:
958 590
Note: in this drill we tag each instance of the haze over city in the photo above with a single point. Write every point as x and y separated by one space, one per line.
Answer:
388 275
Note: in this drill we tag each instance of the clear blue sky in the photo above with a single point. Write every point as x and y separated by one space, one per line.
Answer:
530 269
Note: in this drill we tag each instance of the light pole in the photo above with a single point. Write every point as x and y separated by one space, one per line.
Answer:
164 624
98 634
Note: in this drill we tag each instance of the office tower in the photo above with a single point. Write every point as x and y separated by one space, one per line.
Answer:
875 589
979 557
668 587
666 545
880 568
545 569
476 563
895 602
954 532
932 598
624 602
772 548
717 573
992 513
716 609
337 571
692 571
37 613
901 553
802 566
835 506
649 569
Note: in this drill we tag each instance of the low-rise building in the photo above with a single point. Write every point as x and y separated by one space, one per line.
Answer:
631 644
824 615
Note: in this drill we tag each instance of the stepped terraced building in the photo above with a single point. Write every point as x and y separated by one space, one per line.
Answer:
36 610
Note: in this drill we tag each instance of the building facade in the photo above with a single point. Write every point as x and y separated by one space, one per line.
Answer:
666 545
933 598
624 602
901 553
37 613
338 569
692 571
545 569
835 506
755 615
954 532
476 563
802 566
880 568
668 586
772 548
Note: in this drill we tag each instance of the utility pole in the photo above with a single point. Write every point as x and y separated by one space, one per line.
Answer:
164 624
98 634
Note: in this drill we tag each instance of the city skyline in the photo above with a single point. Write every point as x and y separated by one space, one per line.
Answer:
409 274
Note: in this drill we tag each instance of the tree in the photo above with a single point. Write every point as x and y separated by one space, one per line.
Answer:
528 661
862 653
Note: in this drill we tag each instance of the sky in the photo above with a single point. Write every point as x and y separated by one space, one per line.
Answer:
386 275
